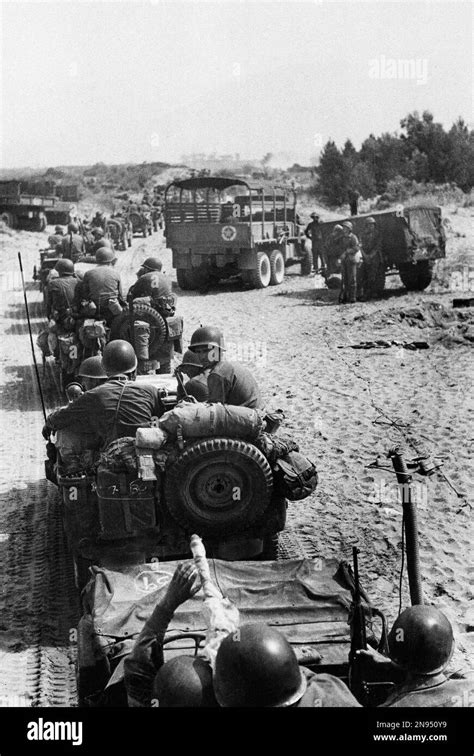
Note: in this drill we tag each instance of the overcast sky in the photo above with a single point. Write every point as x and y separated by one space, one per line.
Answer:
134 81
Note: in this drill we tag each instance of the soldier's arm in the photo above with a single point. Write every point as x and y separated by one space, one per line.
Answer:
79 414
308 230
218 387
85 290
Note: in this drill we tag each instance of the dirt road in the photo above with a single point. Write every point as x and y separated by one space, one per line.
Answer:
345 407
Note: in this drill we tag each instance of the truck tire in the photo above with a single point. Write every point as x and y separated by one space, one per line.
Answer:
416 276
306 263
277 268
218 486
189 278
260 277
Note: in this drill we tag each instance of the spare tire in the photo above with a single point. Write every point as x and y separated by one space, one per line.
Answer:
218 486
121 328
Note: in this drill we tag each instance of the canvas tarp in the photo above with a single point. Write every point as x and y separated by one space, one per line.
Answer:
301 598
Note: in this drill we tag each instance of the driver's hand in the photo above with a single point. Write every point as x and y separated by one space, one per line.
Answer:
184 583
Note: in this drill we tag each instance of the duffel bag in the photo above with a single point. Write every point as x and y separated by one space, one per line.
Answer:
295 476
206 420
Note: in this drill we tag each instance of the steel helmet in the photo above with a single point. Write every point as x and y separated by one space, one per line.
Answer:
314 215
118 358
347 224
97 231
189 358
370 220
72 228
92 367
64 267
74 391
58 229
338 227
152 263
256 666
207 336
184 681
421 640
104 255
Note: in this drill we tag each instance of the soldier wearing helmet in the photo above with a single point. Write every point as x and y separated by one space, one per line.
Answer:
421 643
351 262
196 386
152 282
117 407
60 293
92 372
373 268
56 238
227 382
313 232
334 249
102 285
257 667
72 244
182 681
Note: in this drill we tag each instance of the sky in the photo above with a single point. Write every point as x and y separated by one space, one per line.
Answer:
130 81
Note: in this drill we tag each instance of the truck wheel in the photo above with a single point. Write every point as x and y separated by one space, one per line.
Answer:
260 277
8 219
306 263
218 486
277 268
189 279
416 276
121 328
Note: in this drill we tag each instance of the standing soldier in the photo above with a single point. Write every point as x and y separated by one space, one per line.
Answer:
313 232
373 268
334 250
353 196
350 264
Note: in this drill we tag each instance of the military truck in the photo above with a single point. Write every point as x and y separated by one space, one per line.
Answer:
412 238
218 227
21 210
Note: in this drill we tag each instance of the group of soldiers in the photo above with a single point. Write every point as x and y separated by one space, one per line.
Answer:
360 261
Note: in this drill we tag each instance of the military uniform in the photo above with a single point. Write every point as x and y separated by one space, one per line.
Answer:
196 387
232 383
157 285
313 232
350 264
325 691
60 297
373 263
100 285
435 691
71 247
335 250
96 411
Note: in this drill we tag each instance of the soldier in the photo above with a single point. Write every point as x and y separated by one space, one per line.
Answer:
313 232
72 245
335 249
421 644
56 238
116 408
92 372
373 268
196 386
182 681
353 196
103 287
227 382
257 667
100 240
60 294
152 282
350 264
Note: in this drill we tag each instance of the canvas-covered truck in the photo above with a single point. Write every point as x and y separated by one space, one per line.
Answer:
411 240
23 211
219 227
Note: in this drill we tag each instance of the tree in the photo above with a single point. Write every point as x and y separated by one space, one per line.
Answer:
333 175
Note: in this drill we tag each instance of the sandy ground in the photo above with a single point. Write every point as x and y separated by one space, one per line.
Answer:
346 408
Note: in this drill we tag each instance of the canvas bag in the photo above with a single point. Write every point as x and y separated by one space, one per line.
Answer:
295 476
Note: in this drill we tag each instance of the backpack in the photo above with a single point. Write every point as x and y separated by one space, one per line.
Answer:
295 476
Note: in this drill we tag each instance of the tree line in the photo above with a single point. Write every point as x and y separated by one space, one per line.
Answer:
423 152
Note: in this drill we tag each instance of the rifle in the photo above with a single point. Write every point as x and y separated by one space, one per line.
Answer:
358 636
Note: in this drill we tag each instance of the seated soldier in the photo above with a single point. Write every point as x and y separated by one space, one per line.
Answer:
227 382
92 373
421 644
116 408
196 386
